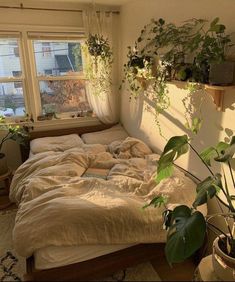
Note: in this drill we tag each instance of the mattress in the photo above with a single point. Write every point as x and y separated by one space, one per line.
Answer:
50 257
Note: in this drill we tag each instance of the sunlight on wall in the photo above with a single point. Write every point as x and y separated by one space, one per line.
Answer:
138 121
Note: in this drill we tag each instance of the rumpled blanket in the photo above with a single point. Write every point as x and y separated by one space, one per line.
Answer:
59 207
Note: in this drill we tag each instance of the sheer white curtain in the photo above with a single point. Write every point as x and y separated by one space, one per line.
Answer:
105 105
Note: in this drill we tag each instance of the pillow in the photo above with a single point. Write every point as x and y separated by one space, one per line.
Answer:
56 144
105 137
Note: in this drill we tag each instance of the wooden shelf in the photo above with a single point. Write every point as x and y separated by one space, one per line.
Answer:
215 91
217 94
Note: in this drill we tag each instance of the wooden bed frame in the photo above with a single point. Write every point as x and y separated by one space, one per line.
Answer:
99 267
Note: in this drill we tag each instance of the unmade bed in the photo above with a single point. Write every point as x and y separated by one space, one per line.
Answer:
71 216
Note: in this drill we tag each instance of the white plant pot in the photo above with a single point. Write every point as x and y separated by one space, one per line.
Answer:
224 265
3 164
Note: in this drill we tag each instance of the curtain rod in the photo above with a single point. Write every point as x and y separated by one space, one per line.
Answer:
50 9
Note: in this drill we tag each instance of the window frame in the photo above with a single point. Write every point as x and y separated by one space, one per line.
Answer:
31 86
37 78
11 79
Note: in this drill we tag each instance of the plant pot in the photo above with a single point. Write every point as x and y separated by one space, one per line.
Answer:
3 164
224 265
222 73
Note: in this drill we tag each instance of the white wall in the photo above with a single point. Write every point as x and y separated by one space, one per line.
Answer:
136 119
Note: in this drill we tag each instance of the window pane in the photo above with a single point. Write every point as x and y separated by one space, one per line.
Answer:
12 99
64 96
9 58
58 58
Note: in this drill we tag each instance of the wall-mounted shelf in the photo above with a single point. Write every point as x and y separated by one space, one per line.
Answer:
217 94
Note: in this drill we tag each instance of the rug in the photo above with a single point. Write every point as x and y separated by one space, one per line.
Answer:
13 267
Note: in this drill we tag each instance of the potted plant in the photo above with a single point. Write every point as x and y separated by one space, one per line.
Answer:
157 57
16 133
187 226
99 61
210 60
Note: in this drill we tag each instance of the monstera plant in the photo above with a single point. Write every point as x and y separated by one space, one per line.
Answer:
186 225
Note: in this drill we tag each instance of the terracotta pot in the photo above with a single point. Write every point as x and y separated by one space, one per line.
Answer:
3 164
224 265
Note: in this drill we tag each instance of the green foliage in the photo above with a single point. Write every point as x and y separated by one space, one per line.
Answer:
207 189
186 234
213 152
157 202
164 51
98 46
77 53
99 60
17 133
186 226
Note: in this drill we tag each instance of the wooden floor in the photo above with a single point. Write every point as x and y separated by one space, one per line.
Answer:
5 203
178 272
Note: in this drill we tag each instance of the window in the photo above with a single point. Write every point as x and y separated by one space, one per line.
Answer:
11 78
42 73
64 91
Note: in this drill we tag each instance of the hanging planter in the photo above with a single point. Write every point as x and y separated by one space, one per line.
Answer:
99 60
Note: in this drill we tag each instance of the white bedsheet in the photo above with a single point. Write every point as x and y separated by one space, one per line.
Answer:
50 257
57 207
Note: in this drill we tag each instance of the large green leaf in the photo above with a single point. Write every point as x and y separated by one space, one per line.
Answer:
207 189
175 147
208 154
164 173
177 144
186 234
226 154
214 152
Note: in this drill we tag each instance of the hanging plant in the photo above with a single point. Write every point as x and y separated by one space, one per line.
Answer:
99 60
164 51
157 52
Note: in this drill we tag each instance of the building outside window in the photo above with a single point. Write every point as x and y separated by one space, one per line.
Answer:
46 49
11 79
54 68
65 90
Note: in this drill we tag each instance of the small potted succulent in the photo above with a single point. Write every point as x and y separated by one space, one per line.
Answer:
16 133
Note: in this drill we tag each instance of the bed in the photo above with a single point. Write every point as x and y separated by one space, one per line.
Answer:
73 221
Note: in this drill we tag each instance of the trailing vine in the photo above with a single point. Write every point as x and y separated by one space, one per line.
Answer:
193 123
153 61
165 52
99 60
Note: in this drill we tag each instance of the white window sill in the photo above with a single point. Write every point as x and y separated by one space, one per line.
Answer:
65 123
59 123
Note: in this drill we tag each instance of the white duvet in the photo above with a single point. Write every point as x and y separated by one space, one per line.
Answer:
58 207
